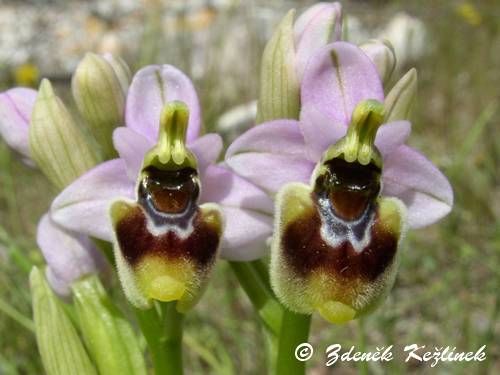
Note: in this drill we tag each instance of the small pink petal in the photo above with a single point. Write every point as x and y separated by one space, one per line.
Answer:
426 192
392 135
207 149
131 147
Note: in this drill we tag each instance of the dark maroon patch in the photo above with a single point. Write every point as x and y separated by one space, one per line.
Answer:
304 250
350 187
136 241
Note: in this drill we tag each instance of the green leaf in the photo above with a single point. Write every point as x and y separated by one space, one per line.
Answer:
60 347
111 340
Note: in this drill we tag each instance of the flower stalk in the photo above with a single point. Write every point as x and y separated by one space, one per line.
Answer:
262 298
294 331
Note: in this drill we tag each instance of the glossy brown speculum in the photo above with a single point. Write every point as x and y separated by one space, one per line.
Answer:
170 192
350 187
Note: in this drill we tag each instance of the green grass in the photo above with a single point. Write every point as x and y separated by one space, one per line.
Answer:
447 289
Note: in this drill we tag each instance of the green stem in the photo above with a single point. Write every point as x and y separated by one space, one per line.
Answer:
173 338
362 365
261 296
163 333
294 331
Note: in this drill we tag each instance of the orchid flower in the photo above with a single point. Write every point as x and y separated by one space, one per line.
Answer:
153 117
333 169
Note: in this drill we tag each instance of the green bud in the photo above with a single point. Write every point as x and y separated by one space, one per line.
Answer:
383 56
279 95
58 146
399 101
100 98
109 336
121 70
60 347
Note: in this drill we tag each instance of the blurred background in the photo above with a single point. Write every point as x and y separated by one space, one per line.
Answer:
447 291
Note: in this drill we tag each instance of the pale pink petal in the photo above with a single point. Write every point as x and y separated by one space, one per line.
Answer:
83 205
69 255
16 106
245 234
426 192
207 149
277 137
154 86
317 26
222 186
271 171
392 135
131 147
337 78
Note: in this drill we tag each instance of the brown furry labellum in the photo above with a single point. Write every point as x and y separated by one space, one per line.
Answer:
336 244
166 244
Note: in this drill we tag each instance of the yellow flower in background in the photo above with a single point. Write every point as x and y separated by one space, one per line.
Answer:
26 75
469 13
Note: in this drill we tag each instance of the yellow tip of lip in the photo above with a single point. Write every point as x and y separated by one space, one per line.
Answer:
337 312
165 288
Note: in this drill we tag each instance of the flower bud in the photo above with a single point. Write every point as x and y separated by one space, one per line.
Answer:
100 97
399 101
279 86
316 27
336 242
381 52
109 336
57 144
58 341
287 54
121 70
165 243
